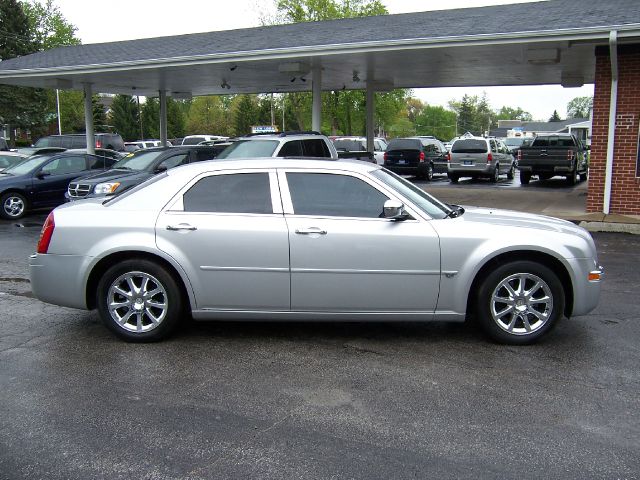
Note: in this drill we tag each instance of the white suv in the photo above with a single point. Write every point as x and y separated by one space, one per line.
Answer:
286 144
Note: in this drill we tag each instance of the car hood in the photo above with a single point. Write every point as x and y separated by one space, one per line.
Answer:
9 178
113 175
510 218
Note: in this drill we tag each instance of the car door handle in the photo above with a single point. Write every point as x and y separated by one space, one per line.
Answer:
310 230
181 226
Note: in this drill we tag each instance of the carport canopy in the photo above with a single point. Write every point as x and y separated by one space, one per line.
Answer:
538 43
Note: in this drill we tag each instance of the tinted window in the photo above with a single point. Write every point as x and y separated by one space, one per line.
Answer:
249 149
64 165
334 195
315 148
139 160
404 144
469 145
291 149
350 145
174 160
205 154
553 142
237 193
193 140
98 163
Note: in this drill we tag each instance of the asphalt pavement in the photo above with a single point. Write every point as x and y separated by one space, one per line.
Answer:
319 400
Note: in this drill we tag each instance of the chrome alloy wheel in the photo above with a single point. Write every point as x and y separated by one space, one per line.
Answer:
521 304
137 302
13 206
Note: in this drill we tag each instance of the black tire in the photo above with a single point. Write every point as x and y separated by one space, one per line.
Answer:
429 172
525 177
453 177
496 175
526 321
544 176
13 206
572 178
511 173
137 311
583 177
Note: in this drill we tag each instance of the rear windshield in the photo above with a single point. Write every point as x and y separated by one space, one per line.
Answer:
249 149
469 145
514 141
349 145
405 144
553 142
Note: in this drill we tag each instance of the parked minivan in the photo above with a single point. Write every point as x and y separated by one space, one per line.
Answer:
112 141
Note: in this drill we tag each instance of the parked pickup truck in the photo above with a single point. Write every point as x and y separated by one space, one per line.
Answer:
553 154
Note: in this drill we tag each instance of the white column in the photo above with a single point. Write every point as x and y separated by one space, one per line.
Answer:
316 114
163 117
613 110
88 119
369 116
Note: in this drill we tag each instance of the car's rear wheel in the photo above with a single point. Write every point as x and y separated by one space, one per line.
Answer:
519 302
544 176
496 175
572 178
139 301
14 206
512 172
426 173
525 177
453 177
583 176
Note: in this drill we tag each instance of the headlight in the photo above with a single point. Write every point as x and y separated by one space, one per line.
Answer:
106 188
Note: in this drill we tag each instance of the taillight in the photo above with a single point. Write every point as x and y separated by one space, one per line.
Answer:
489 158
46 233
385 156
519 155
448 156
422 156
98 144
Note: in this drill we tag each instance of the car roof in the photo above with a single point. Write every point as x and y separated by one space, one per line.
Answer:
275 162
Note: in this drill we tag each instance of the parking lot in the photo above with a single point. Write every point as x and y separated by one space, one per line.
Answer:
322 400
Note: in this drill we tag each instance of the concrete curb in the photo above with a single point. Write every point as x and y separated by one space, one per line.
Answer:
633 228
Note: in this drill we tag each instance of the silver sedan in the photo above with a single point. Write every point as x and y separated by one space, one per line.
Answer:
299 239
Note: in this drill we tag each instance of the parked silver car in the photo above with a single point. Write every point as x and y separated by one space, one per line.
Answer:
277 239
480 157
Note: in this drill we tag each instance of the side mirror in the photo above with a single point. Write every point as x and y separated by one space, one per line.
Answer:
161 168
41 175
394 210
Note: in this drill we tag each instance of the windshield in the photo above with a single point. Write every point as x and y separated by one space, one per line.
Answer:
249 149
514 142
139 160
418 197
28 165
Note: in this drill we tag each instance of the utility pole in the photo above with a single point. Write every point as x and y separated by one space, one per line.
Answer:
58 108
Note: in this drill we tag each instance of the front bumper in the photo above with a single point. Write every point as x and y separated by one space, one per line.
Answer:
586 292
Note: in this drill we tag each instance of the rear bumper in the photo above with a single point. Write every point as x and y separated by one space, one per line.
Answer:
59 279
481 169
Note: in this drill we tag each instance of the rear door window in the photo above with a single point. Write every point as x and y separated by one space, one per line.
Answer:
234 193
315 148
65 165
291 149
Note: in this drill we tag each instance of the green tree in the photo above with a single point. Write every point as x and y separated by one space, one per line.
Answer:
466 114
27 28
124 117
210 114
245 114
150 115
48 26
437 121
555 117
509 113
579 107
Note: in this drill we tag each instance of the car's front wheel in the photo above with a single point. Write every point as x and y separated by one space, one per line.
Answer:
519 302
139 301
14 206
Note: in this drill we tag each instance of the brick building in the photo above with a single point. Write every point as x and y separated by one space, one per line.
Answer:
625 183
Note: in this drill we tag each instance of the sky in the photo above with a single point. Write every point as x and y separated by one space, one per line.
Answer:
130 19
